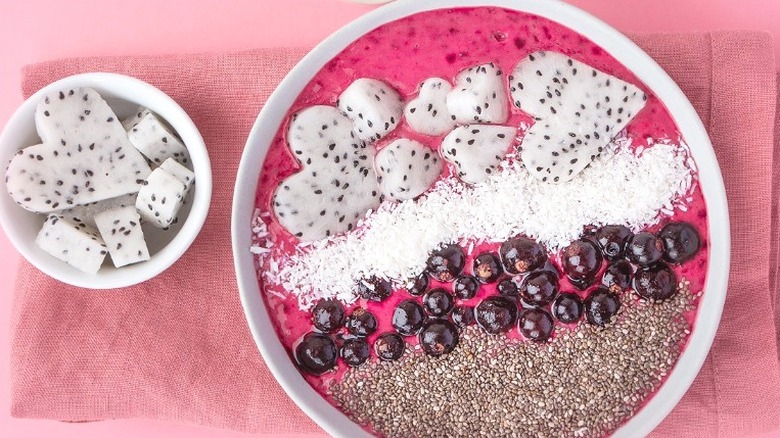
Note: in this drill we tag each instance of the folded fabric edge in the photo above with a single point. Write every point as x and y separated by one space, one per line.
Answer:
37 75
774 261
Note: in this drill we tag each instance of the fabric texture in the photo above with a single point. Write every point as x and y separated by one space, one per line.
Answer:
178 347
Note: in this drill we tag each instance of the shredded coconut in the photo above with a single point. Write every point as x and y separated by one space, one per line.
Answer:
261 244
623 187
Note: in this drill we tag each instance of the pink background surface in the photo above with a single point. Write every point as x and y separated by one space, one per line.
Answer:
38 30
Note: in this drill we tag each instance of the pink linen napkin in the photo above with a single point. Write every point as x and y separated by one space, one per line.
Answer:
178 348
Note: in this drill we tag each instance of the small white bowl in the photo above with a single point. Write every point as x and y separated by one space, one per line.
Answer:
123 94
624 50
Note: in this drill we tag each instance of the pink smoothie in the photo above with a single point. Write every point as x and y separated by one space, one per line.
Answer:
441 43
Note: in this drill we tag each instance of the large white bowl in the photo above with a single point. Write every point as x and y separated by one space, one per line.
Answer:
272 114
123 94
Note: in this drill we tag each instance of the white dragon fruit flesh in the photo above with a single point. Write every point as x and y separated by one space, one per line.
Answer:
86 213
154 138
85 156
321 132
186 176
374 107
336 184
160 198
477 150
405 169
76 244
136 117
427 113
479 96
578 111
121 230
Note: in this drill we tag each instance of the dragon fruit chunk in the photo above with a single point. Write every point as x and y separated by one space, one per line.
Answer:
86 213
579 110
86 156
76 244
324 199
336 184
153 137
160 199
406 168
186 176
121 230
427 113
374 107
321 132
135 118
479 96
477 150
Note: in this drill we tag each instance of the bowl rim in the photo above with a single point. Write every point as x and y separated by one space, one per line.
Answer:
619 46
135 91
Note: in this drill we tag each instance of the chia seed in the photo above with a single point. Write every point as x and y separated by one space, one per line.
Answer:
586 381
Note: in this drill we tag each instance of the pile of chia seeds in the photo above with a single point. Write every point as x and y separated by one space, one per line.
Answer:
586 381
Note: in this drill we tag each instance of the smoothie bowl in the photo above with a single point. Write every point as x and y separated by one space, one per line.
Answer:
471 217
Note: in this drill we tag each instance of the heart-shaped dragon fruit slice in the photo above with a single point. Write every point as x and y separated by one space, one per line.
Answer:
479 96
427 113
321 132
477 150
336 184
85 156
406 168
374 107
579 110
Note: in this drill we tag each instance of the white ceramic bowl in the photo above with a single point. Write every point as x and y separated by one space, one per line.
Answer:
625 51
371 2
124 94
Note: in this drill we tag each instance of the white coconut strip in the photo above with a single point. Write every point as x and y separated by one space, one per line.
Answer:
394 242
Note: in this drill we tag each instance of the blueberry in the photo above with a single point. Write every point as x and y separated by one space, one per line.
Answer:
374 289
389 346
508 288
438 337
355 352
645 249
681 240
360 323
617 276
446 263
487 267
581 261
612 240
567 308
496 314
438 302
657 283
462 316
316 354
465 287
522 254
539 288
417 285
328 315
535 324
408 318
601 306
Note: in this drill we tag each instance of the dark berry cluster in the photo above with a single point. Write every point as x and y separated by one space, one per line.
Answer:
529 295
319 350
